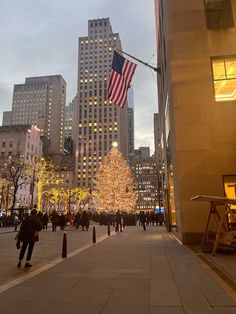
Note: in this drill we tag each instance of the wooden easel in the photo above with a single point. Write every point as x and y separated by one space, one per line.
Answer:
223 234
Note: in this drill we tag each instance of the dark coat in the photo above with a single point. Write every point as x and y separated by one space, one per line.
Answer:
118 217
29 227
85 219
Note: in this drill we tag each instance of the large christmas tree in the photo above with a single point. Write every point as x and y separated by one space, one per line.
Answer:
114 184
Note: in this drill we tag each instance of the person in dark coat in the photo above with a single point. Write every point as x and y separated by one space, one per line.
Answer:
84 220
142 219
54 217
45 221
118 221
62 221
28 234
77 221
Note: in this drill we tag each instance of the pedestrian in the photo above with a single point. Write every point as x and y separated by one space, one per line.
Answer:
77 220
28 234
142 218
84 220
62 221
45 221
54 217
16 221
118 221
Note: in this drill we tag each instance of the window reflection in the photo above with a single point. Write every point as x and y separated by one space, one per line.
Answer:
224 74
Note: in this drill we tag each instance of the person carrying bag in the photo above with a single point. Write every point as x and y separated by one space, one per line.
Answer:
28 235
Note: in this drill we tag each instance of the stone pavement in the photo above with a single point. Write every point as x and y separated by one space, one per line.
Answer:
133 272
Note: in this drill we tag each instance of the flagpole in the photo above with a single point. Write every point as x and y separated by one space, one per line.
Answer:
157 69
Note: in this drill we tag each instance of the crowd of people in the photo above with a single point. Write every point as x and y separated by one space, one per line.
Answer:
150 218
35 221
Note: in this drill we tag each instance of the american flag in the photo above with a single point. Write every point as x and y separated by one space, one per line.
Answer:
122 72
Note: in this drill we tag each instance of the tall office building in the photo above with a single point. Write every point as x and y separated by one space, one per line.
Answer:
69 117
196 94
144 169
98 121
130 123
41 102
7 118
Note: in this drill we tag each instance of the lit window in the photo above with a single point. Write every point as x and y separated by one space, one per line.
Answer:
224 75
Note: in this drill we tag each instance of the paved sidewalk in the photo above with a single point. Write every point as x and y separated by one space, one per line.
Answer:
133 272
7 229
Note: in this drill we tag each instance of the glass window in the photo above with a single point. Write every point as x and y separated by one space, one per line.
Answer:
224 76
218 14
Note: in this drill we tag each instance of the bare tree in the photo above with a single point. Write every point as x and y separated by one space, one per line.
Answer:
16 173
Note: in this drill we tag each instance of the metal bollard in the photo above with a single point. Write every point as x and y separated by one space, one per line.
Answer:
64 245
94 235
108 229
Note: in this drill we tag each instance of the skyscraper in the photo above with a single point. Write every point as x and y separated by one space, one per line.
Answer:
40 101
145 172
98 121
69 117
130 124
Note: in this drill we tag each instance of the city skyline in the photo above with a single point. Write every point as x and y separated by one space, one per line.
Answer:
30 38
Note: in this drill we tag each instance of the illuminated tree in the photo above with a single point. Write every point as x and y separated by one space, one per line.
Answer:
46 176
114 187
56 196
59 195
75 194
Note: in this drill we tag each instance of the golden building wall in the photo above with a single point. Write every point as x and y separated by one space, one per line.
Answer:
203 131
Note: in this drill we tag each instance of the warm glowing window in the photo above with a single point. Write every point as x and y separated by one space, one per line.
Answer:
224 75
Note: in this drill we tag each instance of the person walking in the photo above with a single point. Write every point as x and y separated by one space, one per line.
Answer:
85 220
142 218
118 221
28 234
45 221
54 218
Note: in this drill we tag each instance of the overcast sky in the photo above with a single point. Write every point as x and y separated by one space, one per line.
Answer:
39 37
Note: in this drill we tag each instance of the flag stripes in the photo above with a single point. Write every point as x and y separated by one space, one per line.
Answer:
120 78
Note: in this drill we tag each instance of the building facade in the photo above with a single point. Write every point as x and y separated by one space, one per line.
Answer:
40 101
98 121
69 118
7 118
144 169
196 95
130 123
21 144
159 158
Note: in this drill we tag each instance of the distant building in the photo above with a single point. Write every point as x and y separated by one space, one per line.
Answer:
130 123
7 118
21 144
146 175
65 167
98 122
69 118
40 101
